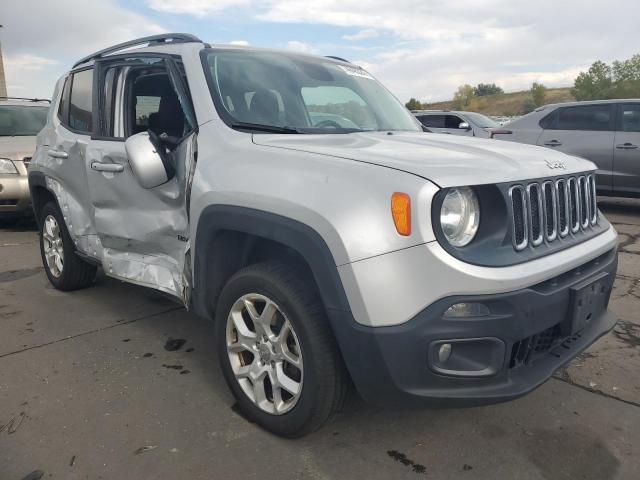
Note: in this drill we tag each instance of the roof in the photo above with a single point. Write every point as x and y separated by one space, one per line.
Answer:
175 40
588 102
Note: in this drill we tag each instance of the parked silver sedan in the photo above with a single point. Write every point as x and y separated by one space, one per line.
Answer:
20 121
607 132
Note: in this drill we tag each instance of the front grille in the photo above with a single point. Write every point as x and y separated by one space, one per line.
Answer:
8 203
526 349
26 161
549 210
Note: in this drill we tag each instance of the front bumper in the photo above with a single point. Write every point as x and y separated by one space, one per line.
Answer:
14 196
393 365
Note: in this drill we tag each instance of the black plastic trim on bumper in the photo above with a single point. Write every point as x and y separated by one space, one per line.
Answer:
389 364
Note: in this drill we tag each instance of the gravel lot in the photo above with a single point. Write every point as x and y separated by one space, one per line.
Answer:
88 389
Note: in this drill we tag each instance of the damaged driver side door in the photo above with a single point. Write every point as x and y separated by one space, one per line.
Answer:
142 229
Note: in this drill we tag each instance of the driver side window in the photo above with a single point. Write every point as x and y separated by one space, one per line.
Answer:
452 121
139 95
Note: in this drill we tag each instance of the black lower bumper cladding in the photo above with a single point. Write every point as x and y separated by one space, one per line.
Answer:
534 331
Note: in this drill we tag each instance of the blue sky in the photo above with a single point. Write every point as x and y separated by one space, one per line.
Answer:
417 48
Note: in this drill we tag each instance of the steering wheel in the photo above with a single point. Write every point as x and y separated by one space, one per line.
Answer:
156 142
328 124
160 148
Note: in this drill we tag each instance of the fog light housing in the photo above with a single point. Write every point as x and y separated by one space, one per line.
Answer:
463 310
467 357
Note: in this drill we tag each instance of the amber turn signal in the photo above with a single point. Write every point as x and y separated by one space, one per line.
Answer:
401 212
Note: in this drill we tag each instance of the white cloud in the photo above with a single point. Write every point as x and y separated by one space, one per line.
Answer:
441 45
242 43
64 30
301 47
26 61
22 73
434 45
362 35
197 8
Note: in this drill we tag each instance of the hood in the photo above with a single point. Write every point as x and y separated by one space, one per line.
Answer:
447 160
18 147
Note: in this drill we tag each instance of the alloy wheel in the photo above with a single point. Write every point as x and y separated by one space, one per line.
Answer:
53 247
264 353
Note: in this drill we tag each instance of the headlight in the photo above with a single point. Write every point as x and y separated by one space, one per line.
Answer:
460 216
7 166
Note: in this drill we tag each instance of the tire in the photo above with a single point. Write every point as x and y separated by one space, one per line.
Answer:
72 272
323 381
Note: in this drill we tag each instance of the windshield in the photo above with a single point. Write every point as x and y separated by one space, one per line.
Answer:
481 120
18 120
301 94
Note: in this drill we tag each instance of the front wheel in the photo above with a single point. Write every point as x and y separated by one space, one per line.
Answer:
277 352
65 270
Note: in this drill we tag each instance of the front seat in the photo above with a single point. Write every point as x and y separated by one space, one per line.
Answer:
264 108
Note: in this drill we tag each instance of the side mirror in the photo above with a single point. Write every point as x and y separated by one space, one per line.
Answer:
148 159
464 126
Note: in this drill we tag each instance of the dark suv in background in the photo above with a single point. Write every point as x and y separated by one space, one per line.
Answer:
607 132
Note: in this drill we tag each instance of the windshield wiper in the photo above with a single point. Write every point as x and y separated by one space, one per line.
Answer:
263 128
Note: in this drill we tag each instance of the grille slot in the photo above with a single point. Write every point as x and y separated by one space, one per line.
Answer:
563 207
574 205
592 197
583 191
535 209
549 209
519 208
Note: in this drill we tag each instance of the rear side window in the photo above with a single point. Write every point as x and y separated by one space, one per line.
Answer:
549 121
81 105
630 118
435 121
587 117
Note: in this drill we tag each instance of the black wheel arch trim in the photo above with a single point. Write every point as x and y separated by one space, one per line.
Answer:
303 239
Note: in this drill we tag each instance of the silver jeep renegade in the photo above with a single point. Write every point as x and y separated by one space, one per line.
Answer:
294 201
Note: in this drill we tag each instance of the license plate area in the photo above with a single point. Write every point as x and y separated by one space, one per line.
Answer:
588 301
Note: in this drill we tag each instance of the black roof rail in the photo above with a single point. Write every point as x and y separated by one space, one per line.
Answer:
337 58
151 40
26 99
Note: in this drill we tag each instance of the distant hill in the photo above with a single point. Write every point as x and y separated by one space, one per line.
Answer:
508 104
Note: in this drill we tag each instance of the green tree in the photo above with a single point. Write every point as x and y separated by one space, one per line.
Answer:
463 97
413 104
528 106
626 78
627 70
538 93
594 84
484 89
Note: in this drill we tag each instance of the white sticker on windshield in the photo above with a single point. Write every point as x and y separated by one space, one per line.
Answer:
356 72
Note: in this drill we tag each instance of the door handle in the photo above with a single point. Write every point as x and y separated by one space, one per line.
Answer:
627 146
58 154
553 143
107 167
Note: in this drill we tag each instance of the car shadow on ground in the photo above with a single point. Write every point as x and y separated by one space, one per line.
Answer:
18 225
